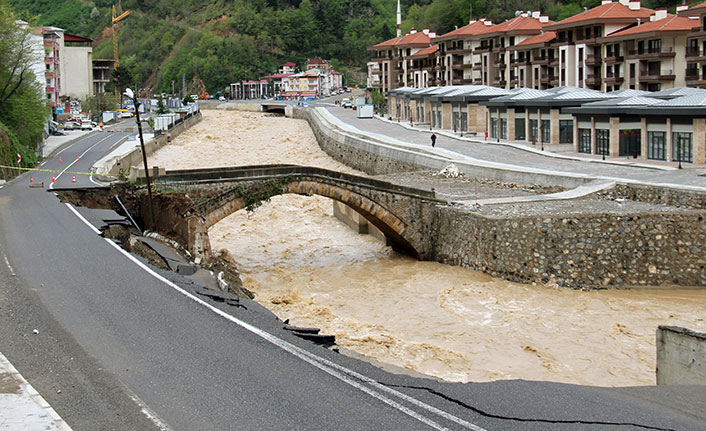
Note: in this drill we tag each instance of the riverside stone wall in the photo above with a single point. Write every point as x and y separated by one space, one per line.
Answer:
659 195
357 153
578 251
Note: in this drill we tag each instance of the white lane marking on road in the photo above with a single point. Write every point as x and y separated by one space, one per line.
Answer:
51 186
318 362
150 414
82 218
7 262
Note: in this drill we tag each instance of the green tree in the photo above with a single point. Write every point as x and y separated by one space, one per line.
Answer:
161 107
122 78
23 111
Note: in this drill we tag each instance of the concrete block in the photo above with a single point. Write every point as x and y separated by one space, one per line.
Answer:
681 356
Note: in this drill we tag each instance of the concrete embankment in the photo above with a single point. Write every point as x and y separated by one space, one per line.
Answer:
129 158
657 243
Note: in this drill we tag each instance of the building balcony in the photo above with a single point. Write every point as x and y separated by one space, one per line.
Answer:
50 89
464 66
554 81
478 81
477 66
499 82
48 74
514 82
592 79
500 62
656 76
460 51
481 49
693 51
541 60
593 60
651 53
456 81
51 60
553 61
613 58
613 78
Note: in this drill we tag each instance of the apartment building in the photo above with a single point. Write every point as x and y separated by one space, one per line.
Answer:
616 45
695 46
392 63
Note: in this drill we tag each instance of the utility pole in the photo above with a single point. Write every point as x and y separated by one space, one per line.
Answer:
183 85
129 93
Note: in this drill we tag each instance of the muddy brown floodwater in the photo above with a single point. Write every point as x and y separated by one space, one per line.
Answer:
445 321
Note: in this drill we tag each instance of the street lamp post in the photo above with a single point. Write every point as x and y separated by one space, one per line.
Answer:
130 94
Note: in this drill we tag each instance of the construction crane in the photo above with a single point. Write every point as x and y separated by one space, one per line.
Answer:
118 15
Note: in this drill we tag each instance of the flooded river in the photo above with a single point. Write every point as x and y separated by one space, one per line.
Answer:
444 321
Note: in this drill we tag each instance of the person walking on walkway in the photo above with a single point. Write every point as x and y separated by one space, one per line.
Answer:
433 140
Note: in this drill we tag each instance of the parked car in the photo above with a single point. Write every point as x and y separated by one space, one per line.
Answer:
125 113
86 125
346 103
71 125
222 99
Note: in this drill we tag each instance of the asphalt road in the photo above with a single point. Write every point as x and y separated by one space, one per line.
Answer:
134 349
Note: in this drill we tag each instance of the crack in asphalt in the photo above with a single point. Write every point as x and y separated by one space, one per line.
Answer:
518 419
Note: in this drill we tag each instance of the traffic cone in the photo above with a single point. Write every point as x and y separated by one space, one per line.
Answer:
73 180
59 159
31 180
53 179
79 158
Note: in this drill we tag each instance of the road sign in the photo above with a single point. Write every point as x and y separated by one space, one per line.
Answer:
19 158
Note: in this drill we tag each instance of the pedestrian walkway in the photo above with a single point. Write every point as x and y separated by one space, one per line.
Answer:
21 406
526 157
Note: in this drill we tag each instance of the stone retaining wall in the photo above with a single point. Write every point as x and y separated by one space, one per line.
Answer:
659 195
578 251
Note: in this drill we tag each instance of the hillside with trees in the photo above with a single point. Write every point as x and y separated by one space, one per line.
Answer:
222 41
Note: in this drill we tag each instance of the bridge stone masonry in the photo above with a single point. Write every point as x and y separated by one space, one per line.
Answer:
403 214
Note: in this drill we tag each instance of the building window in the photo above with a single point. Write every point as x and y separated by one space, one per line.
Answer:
457 120
520 129
503 128
493 127
546 131
566 131
681 146
464 121
656 145
585 141
602 141
533 131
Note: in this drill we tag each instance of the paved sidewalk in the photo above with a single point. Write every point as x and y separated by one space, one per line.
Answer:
21 406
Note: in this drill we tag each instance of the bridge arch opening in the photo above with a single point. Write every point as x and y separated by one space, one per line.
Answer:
391 226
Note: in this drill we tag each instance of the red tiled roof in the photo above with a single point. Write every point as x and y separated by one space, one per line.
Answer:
467 30
614 11
698 6
289 63
418 38
518 24
426 51
548 36
670 23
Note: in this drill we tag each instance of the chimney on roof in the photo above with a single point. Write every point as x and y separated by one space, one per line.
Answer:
524 15
432 34
536 13
606 2
426 30
682 7
639 21
634 5
660 13
488 22
543 18
473 21
585 9
412 31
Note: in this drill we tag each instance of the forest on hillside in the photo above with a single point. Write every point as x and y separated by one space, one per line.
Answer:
222 41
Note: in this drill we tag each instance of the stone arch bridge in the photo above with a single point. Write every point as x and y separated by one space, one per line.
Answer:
403 214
